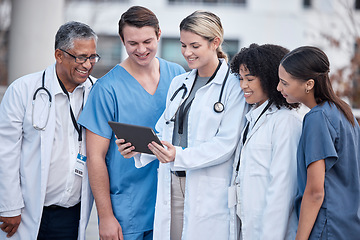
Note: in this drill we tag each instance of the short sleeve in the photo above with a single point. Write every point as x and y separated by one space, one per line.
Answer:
98 110
319 138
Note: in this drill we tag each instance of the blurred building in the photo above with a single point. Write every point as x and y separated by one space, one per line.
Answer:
332 25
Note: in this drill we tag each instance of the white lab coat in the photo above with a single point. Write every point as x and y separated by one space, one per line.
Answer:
208 160
25 154
267 177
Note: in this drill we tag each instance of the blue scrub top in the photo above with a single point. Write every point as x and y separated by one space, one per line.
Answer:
119 97
327 134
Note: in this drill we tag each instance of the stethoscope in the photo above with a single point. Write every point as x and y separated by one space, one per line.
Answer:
218 106
33 104
42 128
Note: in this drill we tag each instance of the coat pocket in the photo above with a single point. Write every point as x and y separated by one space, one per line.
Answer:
212 198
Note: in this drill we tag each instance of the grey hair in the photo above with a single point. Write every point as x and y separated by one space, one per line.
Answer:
71 31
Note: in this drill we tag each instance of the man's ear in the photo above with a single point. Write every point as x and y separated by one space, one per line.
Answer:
59 55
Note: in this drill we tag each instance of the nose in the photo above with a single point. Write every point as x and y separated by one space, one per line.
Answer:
141 48
186 52
87 64
279 87
243 84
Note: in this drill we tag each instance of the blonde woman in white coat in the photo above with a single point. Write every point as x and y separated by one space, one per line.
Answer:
195 170
264 176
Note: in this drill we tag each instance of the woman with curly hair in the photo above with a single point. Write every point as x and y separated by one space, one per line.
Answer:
264 176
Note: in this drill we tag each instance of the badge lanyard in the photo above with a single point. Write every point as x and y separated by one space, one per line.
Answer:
81 159
247 129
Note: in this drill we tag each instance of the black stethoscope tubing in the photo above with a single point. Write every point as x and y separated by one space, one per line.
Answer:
218 106
50 101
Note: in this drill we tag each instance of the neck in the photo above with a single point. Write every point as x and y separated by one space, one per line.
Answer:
209 69
136 69
310 102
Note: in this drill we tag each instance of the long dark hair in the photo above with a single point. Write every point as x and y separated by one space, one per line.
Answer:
309 62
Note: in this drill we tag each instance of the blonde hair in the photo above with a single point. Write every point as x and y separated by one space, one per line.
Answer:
207 25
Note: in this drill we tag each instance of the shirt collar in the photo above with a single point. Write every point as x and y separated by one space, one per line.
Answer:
255 112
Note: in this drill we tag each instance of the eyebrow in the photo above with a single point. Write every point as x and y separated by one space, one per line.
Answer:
193 43
131 41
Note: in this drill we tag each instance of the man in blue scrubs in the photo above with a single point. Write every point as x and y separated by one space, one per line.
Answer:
133 92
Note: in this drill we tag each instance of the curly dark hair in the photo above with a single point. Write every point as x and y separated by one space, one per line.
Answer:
263 62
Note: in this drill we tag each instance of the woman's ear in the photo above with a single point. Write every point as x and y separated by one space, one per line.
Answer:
309 85
216 42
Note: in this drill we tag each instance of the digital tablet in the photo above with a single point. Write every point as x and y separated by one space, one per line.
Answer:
138 136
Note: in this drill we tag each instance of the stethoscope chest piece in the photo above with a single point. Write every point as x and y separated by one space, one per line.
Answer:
218 107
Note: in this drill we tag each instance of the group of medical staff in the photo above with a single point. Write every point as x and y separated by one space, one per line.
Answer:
237 160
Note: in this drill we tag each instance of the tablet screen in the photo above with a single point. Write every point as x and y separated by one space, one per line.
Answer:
138 136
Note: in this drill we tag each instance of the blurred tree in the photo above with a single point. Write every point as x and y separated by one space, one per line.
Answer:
346 79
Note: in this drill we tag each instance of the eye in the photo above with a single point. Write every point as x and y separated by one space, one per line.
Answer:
283 82
81 58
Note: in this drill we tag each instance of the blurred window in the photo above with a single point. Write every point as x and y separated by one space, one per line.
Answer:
357 4
99 1
110 49
209 1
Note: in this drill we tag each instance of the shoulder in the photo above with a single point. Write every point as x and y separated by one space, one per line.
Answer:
325 112
285 116
28 81
111 76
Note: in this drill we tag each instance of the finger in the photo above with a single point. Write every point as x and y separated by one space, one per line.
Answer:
126 149
13 231
122 146
156 152
167 144
160 152
119 141
8 229
121 237
130 155
3 226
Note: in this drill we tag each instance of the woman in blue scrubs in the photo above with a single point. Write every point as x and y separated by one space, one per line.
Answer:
328 200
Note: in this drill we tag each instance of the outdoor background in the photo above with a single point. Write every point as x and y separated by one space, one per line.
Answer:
28 27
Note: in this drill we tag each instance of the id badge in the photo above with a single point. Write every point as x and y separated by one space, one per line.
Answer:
80 165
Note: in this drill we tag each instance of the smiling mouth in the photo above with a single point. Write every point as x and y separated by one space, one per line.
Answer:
82 72
191 59
142 55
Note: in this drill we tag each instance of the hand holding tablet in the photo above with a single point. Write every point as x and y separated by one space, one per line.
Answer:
138 136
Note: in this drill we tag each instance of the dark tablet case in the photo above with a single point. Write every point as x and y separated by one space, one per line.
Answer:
138 136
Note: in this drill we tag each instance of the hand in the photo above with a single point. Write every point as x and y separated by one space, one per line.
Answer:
110 229
125 148
10 224
162 154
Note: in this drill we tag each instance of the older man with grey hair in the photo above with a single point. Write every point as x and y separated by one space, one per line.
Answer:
44 189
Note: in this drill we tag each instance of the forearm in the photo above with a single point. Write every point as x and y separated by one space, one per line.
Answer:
309 210
100 186
312 199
